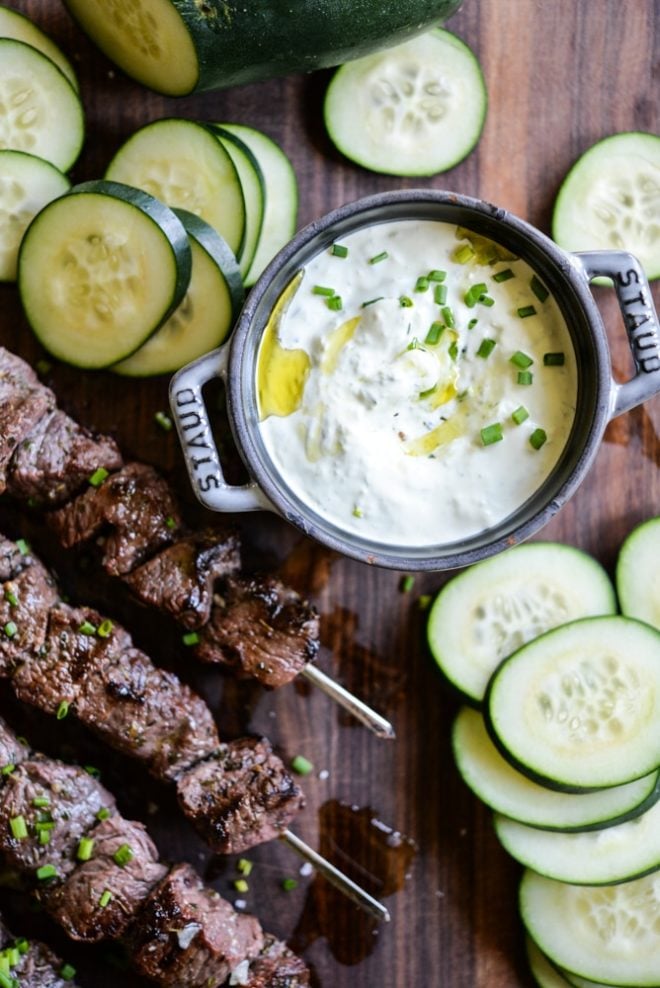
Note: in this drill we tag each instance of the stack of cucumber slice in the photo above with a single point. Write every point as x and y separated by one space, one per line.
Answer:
562 741
145 271
42 128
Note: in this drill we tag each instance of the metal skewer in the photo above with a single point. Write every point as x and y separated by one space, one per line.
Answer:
379 725
337 878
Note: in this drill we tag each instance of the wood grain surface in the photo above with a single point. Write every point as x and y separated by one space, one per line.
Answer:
561 74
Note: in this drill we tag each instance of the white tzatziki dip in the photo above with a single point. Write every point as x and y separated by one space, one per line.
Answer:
416 383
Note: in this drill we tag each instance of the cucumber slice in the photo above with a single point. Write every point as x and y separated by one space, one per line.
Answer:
254 192
495 607
579 707
609 199
99 270
27 184
512 794
207 312
601 857
41 113
147 39
183 164
638 573
416 109
21 28
281 196
607 934
544 973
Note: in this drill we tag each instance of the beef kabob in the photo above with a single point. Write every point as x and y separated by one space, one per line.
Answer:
255 626
100 878
72 661
30 964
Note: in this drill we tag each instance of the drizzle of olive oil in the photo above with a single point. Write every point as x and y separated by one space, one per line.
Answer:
336 341
486 251
281 373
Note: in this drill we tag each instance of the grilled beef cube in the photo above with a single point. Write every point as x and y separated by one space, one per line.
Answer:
39 967
262 629
275 967
180 579
58 458
12 751
25 603
240 797
188 936
23 403
100 899
70 651
138 507
147 712
67 801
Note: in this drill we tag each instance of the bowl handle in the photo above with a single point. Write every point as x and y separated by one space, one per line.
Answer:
639 318
199 448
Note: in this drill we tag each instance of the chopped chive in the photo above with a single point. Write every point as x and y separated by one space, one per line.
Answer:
11 598
170 522
377 258
539 289
440 294
105 899
62 710
434 333
18 827
428 392
23 547
87 628
104 630
10 629
472 323
67 972
44 837
474 293
41 802
486 300
322 290
414 344
335 303
520 415
463 254
338 250
538 438
289 884
245 866
241 885
407 583
453 350
422 284
190 638
8 769
85 848
98 477
301 765
525 377
424 600
357 512
164 421
554 359
103 813
6 981
371 301
525 311
505 275
486 347
522 360
492 434
45 872
93 771
448 317
22 945
123 855
405 302
436 275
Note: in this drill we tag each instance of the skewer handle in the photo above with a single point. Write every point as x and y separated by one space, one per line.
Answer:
374 721
337 877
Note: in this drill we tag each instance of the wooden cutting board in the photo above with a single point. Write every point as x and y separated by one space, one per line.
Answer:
561 75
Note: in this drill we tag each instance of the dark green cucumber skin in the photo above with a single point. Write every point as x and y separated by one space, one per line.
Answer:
217 248
238 42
